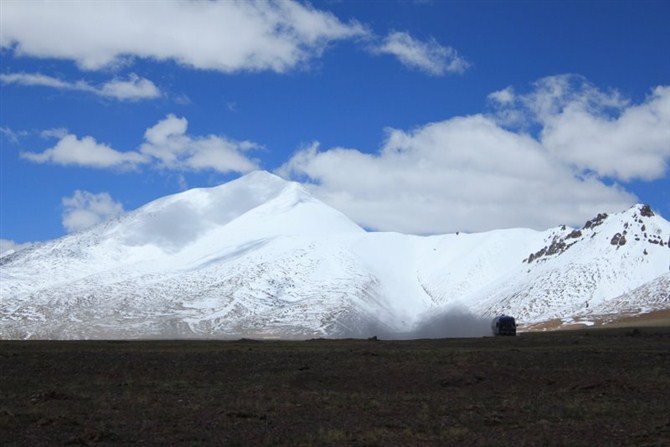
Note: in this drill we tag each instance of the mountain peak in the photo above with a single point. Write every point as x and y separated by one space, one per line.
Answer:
255 205
636 224
641 209
259 177
645 210
260 255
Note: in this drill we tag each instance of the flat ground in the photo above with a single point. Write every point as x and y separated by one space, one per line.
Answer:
594 387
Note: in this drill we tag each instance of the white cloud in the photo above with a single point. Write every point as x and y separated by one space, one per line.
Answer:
166 146
633 145
164 130
35 79
503 97
8 246
12 135
70 150
429 56
597 131
554 94
462 174
226 36
58 132
481 172
506 114
85 209
133 88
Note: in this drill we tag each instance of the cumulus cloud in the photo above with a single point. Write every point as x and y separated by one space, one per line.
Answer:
71 150
226 36
8 247
502 97
632 145
85 209
552 155
594 130
166 146
132 88
462 174
554 94
429 57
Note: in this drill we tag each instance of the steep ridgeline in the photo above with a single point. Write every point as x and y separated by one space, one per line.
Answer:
613 265
260 256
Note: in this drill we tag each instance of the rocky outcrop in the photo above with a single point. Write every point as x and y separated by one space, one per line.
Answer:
574 234
557 246
645 211
632 229
618 239
598 220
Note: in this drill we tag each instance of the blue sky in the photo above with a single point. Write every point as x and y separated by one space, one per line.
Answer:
413 116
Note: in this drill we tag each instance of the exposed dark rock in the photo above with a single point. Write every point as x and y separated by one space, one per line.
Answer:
618 239
533 256
595 221
558 246
645 210
574 234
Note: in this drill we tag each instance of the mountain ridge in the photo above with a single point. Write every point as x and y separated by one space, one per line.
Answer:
259 256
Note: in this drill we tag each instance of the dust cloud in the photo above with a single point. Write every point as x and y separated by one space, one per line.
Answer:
453 322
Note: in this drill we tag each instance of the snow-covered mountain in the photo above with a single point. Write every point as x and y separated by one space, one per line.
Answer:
260 256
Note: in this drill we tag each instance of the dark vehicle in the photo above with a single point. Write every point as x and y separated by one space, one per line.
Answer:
503 325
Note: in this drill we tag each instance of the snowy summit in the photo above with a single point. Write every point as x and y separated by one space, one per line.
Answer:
259 256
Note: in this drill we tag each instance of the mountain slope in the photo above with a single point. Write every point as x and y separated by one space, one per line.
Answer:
260 257
578 271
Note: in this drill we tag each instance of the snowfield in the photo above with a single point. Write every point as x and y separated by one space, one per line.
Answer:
261 257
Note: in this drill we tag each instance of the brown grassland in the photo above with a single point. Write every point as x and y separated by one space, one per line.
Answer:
581 387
